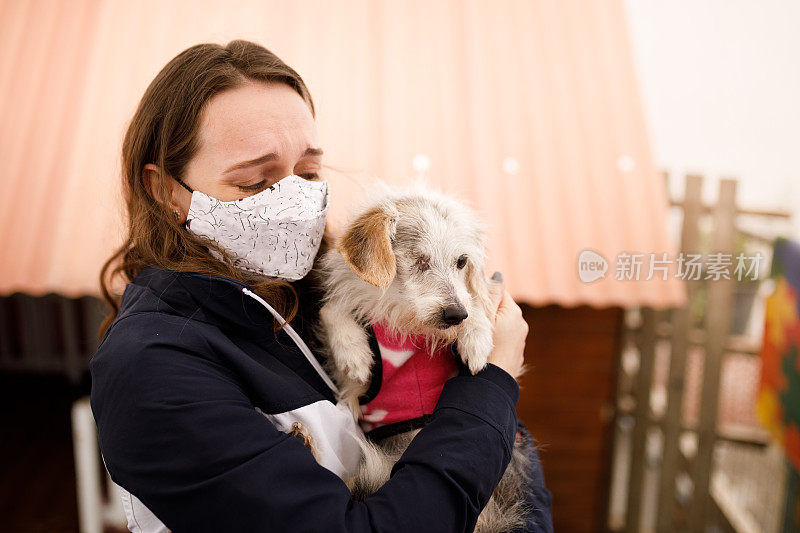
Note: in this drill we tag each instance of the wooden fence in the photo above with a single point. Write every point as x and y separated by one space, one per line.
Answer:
666 460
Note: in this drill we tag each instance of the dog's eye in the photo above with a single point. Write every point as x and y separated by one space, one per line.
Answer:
462 262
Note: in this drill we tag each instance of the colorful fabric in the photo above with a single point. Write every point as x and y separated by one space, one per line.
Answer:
411 379
778 405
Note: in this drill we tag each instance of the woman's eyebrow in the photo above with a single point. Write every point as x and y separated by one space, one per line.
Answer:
269 157
253 162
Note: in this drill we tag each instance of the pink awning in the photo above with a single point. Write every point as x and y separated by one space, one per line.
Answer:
529 110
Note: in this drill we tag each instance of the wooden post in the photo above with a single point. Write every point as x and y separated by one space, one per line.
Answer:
642 417
87 468
681 323
718 318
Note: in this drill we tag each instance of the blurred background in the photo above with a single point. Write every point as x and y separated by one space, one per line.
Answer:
608 144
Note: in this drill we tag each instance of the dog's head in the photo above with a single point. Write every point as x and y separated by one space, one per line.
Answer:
427 251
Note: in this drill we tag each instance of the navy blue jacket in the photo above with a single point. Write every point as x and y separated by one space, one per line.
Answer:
179 385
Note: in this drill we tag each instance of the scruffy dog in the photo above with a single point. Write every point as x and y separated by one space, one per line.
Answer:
404 286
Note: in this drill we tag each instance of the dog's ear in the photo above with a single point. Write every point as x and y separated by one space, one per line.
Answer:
367 246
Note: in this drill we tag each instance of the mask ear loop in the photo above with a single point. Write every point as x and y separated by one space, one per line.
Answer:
182 184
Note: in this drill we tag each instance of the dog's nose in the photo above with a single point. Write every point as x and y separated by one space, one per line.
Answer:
454 314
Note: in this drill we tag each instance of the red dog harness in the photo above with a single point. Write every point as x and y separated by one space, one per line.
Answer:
406 383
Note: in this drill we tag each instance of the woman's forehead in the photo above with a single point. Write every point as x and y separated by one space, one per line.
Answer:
256 118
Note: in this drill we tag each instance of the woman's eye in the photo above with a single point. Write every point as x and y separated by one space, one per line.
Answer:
261 185
462 262
254 187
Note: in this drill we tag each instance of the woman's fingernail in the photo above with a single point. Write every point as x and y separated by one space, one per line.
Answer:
497 277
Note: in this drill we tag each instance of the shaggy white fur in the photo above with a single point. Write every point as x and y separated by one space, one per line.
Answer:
412 259
427 251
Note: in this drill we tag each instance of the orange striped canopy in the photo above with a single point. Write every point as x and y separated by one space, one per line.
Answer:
528 110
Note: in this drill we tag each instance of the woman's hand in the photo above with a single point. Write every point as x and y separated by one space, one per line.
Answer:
510 330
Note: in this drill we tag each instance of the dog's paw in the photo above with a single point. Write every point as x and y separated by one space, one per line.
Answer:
475 342
475 364
357 373
474 348
300 432
357 364
351 356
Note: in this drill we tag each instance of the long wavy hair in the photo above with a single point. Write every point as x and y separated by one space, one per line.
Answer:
164 132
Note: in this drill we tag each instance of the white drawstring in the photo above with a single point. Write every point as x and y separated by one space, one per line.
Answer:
297 340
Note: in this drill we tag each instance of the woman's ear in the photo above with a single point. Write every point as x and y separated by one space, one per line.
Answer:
166 191
367 246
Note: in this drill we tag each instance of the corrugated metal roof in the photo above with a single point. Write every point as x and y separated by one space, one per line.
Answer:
530 110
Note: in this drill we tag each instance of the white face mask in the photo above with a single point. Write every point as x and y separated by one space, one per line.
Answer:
276 232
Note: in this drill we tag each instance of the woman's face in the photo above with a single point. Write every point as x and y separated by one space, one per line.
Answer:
250 137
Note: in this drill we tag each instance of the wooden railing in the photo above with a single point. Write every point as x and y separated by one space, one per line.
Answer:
683 462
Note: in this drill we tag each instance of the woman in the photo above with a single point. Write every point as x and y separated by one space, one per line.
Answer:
200 386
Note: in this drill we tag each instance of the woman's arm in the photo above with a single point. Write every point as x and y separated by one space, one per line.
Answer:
177 431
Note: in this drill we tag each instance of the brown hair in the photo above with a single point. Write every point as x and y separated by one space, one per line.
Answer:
163 132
